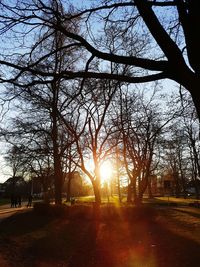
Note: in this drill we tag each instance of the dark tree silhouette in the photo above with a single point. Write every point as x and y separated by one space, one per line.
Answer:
170 28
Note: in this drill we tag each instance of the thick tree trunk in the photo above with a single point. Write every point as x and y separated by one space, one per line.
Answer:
97 192
196 156
143 186
132 193
129 193
138 200
195 92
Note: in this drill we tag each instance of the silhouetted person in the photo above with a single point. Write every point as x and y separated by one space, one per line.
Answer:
12 201
15 201
30 198
19 201
72 200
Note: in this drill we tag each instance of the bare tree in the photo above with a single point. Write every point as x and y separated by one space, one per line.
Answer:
140 127
168 26
91 130
50 96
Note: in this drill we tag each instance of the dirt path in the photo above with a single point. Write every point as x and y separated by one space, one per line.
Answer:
6 211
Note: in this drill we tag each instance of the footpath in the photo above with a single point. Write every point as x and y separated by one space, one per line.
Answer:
6 211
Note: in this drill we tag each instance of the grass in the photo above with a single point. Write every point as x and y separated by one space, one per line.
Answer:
89 199
156 200
150 236
181 201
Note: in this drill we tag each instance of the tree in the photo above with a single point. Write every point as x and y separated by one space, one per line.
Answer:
180 144
32 142
91 130
50 96
15 161
140 126
169 26
191 131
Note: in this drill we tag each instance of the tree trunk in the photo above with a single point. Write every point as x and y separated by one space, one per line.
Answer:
196 99
195 182
138 200
177 184
97 192
196 156
129 193
119 188
150 195
118 176
69 186
182 178
57 160
143 186
57 181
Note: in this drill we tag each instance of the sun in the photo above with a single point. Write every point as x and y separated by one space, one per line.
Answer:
106 171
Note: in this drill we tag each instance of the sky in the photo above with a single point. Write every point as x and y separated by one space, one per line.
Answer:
5 172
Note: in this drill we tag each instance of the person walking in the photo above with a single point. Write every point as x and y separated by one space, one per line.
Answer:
30 199
19 201
12 201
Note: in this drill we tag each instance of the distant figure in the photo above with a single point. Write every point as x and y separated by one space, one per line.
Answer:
19 201
30 198
12 201
72 200
15 201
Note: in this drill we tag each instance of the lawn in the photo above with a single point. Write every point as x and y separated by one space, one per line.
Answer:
151 236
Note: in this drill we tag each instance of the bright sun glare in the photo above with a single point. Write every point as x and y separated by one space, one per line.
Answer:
105 172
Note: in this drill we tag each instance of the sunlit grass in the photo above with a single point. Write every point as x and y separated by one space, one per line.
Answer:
104 199
114 199
85 199
183 201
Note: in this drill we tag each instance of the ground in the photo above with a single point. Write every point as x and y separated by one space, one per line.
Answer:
151 236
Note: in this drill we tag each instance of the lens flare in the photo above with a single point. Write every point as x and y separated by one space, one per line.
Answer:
106 171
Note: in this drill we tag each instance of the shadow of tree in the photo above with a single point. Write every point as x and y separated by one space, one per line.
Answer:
22 223
134 239
190 211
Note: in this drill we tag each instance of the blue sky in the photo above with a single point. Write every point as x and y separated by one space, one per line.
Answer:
5 172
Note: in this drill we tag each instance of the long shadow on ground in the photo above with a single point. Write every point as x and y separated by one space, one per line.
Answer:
117 237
